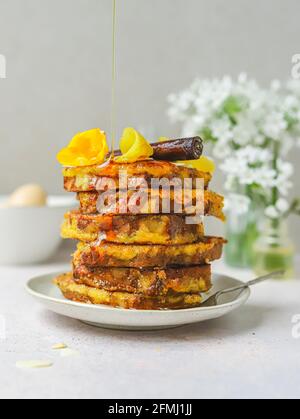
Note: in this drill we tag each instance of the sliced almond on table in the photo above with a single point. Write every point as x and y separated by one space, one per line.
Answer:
59 346
34 364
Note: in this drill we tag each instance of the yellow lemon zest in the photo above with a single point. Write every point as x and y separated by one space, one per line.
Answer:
134 147
163 139
85 149
204 164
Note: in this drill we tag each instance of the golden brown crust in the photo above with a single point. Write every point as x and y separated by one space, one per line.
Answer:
81 179
84 294
154 282
131 229
148 256
213 203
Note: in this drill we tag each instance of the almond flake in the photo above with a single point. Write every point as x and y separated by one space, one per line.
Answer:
33 364
59 346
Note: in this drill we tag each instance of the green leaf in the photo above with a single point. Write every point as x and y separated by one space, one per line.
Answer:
208 136
232 106
295 206
291 121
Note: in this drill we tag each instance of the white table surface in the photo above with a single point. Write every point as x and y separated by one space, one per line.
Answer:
248 354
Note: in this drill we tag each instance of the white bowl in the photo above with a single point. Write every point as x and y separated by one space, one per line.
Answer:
31 235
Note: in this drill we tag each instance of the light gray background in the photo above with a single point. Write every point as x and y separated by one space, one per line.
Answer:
59 67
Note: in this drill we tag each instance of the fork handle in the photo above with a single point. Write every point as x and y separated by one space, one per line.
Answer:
253 282
265 278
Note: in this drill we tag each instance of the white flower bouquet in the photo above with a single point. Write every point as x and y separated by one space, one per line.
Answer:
251 130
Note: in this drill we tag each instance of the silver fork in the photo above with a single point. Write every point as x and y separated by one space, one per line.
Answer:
213 300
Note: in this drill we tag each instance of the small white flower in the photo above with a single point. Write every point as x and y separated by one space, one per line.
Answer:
282 205
274 125
221 129
285 169
237 204
272 212
221 149
245 131
242 79
275 85
245 139
230 183
290 103
259 139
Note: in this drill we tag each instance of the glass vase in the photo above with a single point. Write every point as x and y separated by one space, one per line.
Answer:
241 231
274 250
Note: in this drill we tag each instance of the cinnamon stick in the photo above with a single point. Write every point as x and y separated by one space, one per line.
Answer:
180 149
174 150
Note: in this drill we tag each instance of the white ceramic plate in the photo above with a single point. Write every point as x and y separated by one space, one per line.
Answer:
45 292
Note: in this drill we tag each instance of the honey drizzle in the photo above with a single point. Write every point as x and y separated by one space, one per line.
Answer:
114 76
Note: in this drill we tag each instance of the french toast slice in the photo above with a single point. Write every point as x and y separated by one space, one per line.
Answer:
88 295
130 229
148 256
82 179
212 206
150 282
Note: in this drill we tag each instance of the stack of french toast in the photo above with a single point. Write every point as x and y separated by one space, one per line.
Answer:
141 259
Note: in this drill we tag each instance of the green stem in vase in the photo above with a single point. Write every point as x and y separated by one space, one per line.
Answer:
275 191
